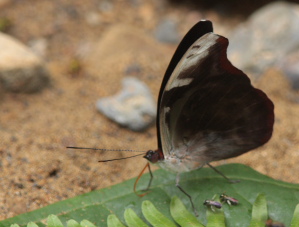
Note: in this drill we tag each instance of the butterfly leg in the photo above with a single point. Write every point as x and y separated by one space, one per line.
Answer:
217 171
139 176
189 196
151 179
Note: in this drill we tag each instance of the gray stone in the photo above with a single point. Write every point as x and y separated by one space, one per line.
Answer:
133 69
133 107
269 34
166 32
20 69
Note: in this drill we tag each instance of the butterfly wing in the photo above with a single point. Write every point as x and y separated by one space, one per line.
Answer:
209 110
198 30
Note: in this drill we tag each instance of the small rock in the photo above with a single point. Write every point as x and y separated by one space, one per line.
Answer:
20 69
166 32
269 34
133 107
133 70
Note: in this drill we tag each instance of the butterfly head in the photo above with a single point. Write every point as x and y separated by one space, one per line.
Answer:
154 156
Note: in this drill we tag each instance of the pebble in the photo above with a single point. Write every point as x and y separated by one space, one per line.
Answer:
166 32
133 70
133 107
20 69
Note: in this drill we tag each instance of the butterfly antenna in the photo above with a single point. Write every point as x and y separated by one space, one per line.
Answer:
109 160
116 159
99 149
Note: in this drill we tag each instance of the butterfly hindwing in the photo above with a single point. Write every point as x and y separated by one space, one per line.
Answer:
209 110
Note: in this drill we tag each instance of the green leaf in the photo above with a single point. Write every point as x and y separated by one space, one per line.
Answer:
53 221
73 223
14 225
155 217
259 212
113 221
133 220
181 215
86 223
201 184
295 220
215 217
32 224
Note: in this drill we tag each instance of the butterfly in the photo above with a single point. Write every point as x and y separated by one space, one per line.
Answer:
207 108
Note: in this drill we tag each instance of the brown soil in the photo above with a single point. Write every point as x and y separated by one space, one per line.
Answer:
36 168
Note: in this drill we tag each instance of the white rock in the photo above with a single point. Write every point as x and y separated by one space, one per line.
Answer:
20 69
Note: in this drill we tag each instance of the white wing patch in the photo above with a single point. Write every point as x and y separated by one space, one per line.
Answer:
180 83
193 55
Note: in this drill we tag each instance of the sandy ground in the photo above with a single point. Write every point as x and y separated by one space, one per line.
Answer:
36 168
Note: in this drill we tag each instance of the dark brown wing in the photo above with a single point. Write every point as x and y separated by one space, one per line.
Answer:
209 109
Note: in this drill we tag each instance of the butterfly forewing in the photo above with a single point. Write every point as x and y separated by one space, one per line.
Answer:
209 109
197 31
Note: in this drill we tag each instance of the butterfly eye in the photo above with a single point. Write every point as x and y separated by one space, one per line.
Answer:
152 156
